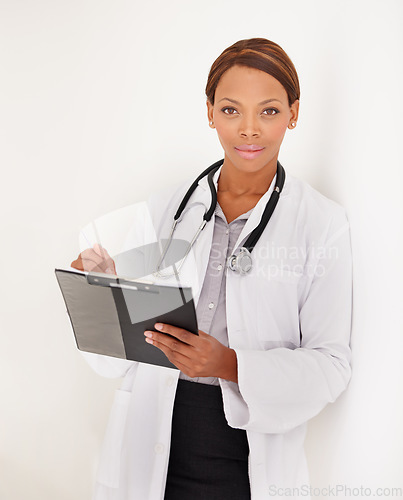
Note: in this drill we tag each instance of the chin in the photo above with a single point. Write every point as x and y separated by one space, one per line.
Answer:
249 165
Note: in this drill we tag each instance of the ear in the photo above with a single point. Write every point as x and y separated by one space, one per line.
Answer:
210 108
294 110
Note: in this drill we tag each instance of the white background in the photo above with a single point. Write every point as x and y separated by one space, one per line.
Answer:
103 101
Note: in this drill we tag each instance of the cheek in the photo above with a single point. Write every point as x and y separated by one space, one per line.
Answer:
225 132
227 141
275 131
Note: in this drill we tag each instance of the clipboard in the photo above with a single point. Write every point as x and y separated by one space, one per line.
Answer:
109 314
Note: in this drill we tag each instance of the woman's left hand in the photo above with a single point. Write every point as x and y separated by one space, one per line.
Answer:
195 355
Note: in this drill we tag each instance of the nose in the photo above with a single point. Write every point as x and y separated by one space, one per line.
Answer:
249 126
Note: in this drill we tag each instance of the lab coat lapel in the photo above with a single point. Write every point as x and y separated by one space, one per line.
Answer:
198 204
256 215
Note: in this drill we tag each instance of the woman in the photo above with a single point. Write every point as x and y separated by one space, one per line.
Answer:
273 345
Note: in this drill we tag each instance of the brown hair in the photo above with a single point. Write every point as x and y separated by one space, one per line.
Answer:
258 53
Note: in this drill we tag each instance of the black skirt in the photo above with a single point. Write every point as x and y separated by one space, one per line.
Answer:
208 458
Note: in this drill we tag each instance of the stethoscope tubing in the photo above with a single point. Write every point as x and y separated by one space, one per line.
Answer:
234 262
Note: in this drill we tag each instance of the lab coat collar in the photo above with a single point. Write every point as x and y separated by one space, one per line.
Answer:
257 212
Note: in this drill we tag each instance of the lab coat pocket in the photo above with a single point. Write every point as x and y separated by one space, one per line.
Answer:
109 465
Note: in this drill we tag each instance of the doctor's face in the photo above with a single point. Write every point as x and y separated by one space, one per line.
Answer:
251 108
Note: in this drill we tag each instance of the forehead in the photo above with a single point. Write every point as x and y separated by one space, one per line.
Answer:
250 84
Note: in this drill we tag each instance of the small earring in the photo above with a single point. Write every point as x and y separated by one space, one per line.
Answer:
293 124
211 123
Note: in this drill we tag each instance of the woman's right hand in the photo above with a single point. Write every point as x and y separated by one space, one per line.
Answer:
95 259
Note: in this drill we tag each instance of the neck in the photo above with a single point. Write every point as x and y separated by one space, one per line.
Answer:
236 182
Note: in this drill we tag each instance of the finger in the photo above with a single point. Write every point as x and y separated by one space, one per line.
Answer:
77 264
188 366
108 266
183 335
107 263
172 343
104 266
100 250
91 266
90 254
88 265
175 356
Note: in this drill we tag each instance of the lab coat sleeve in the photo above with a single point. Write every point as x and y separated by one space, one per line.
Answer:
141 233
281 388
106 366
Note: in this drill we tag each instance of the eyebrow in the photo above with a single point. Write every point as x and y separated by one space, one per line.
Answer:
260 103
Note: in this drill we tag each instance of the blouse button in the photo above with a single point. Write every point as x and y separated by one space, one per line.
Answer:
211 305
219 267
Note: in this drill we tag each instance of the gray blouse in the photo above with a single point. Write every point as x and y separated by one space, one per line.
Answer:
210 310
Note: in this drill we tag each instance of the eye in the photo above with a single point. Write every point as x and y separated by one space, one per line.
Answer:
276 111
224 110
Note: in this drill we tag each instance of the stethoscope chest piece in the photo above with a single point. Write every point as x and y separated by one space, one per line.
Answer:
242 262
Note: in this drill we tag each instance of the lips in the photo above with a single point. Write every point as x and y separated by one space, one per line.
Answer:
248 147
249 151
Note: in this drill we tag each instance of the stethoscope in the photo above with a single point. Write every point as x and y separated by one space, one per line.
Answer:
241 261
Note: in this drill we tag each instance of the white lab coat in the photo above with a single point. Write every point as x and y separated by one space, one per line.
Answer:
290 329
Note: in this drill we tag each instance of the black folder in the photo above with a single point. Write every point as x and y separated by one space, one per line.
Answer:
109 314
